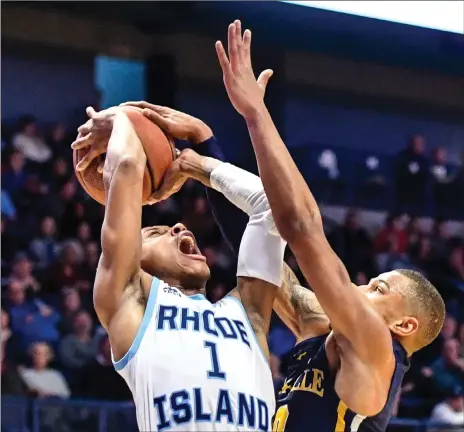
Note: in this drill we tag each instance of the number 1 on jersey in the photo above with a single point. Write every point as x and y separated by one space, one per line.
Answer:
216 370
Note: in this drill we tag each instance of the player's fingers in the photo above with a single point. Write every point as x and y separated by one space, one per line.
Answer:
238 38
81 142
90 112
232 47
85 128
139 104
85 161
222 57
156 118
93 153
247 46
177 152
264 77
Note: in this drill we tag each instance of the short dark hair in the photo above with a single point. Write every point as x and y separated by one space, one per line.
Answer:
427 304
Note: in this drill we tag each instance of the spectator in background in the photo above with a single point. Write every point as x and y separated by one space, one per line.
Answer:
87 272
441 178
440 239
12 384
66 207
14 177
84 233
449 329
392 236
422 256
77 349
59 174
451 410
5 327
411 177
390 244
59 141
30 143
31 320
65 272
353 245
447 372
40 379
22 273
414 232
100 381
71 307
44 247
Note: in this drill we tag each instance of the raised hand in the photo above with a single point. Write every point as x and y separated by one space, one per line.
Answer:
175 123
94 134
245 92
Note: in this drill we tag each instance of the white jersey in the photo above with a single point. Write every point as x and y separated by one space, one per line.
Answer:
197 366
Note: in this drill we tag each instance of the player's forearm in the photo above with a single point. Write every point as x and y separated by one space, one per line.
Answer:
123 177
198 167
125 152
292 204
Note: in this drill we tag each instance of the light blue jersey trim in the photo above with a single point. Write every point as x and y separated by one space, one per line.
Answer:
121 364
197 297
249 326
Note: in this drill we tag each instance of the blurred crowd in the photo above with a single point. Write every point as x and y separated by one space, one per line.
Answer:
52 345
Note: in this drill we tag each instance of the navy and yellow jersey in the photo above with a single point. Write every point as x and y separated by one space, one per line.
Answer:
308 402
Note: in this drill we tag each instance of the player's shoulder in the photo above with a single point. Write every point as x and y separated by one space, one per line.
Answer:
231 301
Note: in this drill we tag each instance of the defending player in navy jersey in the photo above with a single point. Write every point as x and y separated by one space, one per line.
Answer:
348 378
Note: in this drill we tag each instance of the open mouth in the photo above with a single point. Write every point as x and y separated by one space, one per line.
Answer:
187 245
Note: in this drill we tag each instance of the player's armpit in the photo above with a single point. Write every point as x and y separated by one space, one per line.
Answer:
299 309
361 386
347 307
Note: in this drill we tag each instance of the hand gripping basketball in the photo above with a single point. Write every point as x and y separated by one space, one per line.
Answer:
95 134
91 145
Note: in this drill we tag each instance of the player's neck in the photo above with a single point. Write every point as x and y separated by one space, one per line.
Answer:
187 290
192 291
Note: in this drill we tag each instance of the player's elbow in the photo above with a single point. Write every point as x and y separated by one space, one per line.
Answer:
127 166
130 166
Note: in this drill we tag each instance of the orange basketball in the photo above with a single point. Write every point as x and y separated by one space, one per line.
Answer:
159 149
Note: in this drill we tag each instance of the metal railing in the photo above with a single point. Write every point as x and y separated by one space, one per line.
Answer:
56 415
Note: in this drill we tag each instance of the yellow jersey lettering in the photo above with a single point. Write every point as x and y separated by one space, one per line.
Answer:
318 378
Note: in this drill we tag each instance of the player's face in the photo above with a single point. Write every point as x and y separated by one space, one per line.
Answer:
384 292
172 254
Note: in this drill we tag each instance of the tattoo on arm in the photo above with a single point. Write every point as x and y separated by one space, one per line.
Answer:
302 299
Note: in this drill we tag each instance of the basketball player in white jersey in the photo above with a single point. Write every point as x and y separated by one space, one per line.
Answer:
190 365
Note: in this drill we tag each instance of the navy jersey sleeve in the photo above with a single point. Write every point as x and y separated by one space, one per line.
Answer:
230 219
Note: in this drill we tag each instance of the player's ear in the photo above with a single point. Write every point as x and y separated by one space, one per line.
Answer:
405 326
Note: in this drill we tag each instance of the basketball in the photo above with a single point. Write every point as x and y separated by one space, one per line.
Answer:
159 149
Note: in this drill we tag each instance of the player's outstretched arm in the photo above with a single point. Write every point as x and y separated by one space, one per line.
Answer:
119 264
296 213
